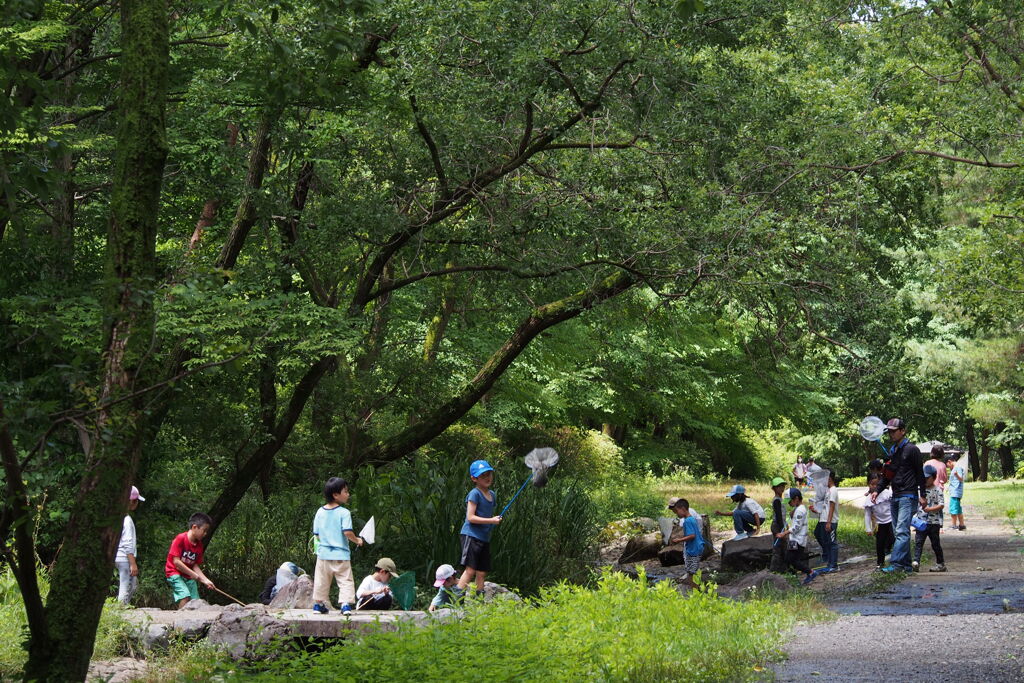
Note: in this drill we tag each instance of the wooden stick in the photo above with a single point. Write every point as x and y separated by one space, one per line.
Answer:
230 597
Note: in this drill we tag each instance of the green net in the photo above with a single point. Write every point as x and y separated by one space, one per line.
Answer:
404 589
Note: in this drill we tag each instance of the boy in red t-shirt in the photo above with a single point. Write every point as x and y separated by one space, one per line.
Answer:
183 560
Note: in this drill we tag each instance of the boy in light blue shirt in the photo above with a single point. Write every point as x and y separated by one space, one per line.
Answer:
332 528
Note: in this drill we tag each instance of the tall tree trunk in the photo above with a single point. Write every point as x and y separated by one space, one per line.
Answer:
17 514
972 449
1005 454
246 215
986 453
81 574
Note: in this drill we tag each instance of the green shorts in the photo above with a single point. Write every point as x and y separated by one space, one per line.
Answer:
183 588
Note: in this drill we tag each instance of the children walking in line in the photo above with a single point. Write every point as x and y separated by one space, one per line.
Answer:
957 474
447 592
332 527
828 524
794 537
878 519
480 522
693 541
373 592
184 558
124 560
932 509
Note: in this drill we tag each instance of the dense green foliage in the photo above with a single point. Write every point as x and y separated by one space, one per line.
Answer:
673 239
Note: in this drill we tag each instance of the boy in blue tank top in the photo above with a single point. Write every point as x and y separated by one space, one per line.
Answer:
480 522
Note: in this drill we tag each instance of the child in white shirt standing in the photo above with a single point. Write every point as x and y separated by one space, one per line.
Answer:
127 567
795 535
878 520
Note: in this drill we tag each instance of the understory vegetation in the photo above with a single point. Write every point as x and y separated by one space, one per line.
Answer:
620 629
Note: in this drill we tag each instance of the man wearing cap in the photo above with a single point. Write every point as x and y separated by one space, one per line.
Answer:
904 473
746 516
124 560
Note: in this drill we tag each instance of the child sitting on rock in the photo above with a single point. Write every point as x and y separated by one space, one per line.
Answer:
374 592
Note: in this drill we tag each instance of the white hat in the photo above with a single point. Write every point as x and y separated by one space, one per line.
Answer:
443 573
134 495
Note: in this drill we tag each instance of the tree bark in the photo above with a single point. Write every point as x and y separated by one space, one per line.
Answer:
972 449
1005 454
986 453
82 571
246 215
18 515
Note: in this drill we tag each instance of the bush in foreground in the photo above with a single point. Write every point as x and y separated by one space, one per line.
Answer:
620 630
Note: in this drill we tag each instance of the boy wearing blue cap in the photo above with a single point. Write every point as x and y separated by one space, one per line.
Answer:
747 516
480 522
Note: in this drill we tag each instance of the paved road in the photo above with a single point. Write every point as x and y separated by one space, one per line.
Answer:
964 625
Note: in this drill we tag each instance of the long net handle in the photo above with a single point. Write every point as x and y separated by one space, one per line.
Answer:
507 506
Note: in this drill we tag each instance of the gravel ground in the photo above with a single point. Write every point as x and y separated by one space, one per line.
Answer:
913 638
981 647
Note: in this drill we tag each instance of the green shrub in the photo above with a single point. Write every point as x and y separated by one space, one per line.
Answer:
627 495
854 481
620 630
584 454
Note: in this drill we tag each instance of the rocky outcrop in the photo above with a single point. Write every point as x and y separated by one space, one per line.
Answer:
748 554
247 632
494 591
747 585
641 548
296 595
121 670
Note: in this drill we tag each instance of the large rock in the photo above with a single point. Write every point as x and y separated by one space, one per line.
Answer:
747 585
672 555
641 548
495 591
199 604
247 632
121 670
153 637
748 554
296 595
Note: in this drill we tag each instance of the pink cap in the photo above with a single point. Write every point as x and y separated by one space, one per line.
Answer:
443 573
134 495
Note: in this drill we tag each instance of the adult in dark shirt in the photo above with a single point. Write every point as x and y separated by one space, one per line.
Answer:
904 472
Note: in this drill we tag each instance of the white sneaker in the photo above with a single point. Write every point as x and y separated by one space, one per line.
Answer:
740 536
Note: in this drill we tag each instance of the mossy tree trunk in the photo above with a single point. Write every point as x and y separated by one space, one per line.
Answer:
82 572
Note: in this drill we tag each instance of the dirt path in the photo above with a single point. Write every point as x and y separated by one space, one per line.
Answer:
964 625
